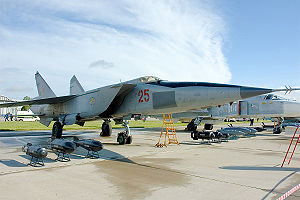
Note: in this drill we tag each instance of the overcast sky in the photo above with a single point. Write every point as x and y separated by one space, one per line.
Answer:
252 43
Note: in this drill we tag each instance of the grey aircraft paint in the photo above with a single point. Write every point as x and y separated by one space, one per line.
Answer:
255 107
146 95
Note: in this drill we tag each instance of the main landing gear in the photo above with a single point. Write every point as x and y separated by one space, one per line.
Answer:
106 129
125 137
57 130
208 126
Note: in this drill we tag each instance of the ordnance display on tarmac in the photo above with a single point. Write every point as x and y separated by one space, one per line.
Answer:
223 133
63 148
93 147
204 135
238 130
145 96
37 154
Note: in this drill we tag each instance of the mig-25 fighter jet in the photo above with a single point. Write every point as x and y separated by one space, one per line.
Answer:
142 96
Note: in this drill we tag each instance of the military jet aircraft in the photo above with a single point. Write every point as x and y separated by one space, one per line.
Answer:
146 95
269 105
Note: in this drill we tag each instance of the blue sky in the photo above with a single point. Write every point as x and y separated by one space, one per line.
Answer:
253 43
263 47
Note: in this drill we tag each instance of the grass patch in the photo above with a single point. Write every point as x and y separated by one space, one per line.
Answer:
25 126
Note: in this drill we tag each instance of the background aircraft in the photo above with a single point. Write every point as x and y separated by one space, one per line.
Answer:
255 107
146 95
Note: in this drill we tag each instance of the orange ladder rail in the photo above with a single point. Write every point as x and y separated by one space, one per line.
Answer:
168 124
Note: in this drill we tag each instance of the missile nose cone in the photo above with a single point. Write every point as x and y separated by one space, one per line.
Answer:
43 152
247 92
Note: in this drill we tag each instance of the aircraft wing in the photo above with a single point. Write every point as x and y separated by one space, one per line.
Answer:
52 100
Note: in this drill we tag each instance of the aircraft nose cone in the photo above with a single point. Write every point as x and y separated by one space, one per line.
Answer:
247 92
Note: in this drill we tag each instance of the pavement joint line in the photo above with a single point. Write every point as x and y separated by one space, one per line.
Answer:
245 148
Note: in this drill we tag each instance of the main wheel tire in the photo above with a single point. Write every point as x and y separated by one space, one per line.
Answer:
192 126
208 126
129 139
57 130
194 135
121 138
277 130
106 129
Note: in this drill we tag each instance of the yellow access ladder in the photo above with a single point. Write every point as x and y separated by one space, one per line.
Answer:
170 134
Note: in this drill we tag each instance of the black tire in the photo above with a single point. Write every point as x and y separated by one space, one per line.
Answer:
192 126
121 138
106 129
129 139
57 130
277 130
194 135
208 126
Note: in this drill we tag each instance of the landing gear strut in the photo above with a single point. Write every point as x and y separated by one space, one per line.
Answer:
192 126
106 129
125 137
57 130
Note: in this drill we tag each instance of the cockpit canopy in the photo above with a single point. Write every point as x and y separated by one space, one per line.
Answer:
273 97
144 79
148 79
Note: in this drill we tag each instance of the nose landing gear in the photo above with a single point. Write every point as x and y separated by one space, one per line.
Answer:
125 137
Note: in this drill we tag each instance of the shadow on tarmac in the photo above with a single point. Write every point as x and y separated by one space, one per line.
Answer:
46 160
12 163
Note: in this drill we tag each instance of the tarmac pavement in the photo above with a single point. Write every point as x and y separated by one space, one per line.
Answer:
245 168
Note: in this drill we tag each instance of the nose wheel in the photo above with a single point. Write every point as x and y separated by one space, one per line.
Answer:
125 137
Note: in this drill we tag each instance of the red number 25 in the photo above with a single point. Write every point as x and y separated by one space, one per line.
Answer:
144 94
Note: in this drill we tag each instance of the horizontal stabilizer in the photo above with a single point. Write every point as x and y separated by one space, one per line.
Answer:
75 87
52 100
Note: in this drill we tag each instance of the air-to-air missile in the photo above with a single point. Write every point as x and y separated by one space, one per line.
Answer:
143 96
37 153
238 130
209 135
63 148
93 147
204 135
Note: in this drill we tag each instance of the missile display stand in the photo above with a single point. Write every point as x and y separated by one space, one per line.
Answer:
92 154
62 157
36 162
170 134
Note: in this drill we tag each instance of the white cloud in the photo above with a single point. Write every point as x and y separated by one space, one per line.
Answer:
174 40
102 64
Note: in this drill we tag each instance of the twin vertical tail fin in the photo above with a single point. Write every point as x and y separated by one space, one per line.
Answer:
43 88
75 87
45 91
